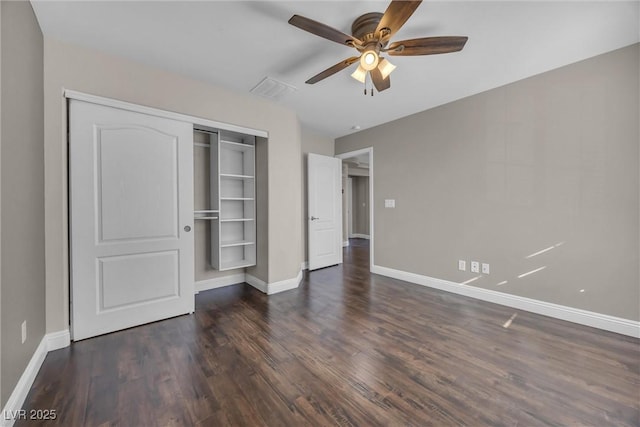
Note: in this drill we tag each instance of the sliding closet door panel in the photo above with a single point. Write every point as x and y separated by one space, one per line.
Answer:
131 182
123 153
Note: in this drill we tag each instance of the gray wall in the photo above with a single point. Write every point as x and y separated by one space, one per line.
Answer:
547 162
360 204
22 190
86 70
312 142
2 398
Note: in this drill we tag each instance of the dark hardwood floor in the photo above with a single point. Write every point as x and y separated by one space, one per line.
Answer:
346 348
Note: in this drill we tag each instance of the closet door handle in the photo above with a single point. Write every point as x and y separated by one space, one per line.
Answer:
313 218
187 228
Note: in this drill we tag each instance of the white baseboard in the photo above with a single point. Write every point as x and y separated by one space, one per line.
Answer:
219 282
274 287
58 340
50 342
284 285
345 243
575 315
259 284
359 236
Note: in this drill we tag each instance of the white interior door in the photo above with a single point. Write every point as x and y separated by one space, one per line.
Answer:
131 193
325 211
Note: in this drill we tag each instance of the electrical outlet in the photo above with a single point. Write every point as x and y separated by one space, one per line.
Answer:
485 268
24 331
462 265
389 203
475 267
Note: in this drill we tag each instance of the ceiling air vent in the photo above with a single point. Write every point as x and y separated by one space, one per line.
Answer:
273 89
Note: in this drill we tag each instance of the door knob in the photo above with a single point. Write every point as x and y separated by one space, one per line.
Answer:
187 228
313 218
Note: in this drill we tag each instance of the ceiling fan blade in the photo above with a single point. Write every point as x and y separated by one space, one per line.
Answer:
332 70
397 14
427 46
322 30
380 83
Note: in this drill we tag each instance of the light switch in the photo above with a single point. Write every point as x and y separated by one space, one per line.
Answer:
389 203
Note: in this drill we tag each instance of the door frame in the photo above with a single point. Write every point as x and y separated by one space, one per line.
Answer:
369 151
349 208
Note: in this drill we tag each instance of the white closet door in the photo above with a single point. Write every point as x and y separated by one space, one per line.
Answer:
131 189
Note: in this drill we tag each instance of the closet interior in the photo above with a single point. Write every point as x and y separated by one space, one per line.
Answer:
229 205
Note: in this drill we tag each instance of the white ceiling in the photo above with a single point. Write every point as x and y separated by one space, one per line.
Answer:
235 44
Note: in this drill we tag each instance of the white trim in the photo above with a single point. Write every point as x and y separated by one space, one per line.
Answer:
284 285
570 314
20 391
58 340
219 282
304 265
275 287
259 284
368 150
345 243
354 153
110 102
349 206
49 342
359 236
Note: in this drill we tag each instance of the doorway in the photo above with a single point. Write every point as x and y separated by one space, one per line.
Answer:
358 200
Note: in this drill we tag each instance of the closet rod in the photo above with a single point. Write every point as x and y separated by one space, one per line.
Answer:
205 131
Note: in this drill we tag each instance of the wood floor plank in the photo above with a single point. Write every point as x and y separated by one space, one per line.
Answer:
346 348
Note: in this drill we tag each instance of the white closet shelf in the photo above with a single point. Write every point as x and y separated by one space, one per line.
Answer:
234 176
205 211
231 244
210 218
236 198
236 219
241 263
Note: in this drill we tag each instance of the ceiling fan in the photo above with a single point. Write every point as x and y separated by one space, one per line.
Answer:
371 33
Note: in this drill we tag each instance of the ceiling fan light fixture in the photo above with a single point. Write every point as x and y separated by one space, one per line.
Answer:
369 60
360 74
371 34
385 68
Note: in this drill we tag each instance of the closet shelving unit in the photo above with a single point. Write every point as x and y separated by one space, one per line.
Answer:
233 207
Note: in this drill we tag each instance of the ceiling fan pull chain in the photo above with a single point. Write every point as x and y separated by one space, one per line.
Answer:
365 83
371 81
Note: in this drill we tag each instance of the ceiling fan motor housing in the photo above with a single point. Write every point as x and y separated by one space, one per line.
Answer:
364 28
